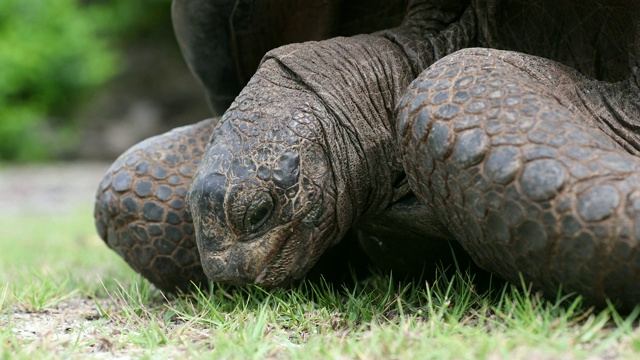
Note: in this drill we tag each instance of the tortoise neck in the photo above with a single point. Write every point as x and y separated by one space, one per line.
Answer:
357 82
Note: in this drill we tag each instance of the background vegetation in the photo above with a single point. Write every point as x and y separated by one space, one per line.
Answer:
53 55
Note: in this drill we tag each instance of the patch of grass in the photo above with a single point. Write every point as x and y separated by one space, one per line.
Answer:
64 294
42 292
48 258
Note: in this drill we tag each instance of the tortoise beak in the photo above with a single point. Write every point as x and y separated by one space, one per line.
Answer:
245 262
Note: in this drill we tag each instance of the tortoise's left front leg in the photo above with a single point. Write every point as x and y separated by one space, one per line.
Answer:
523 178
140 208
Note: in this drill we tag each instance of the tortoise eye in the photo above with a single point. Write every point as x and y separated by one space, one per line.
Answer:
258 211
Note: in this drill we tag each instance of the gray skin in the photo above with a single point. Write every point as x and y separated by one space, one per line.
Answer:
509 128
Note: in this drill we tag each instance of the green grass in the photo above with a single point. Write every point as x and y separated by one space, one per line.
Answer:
84 301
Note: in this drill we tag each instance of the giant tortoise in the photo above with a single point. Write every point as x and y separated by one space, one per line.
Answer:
507 130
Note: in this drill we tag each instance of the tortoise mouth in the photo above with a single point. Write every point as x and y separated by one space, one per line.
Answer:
291 261
261 279
246 263
275 271
273 261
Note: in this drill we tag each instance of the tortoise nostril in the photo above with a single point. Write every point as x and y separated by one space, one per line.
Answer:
213 245
206 199
222 269
213 266
212 187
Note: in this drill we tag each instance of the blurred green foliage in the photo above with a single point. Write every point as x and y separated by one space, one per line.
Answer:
55 53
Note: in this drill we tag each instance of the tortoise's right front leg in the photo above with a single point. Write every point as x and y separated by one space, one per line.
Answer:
141 211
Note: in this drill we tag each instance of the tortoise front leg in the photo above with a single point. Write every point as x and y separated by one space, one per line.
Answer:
526 182
141 211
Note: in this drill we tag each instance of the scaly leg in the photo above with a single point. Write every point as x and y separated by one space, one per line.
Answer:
141 210
522 176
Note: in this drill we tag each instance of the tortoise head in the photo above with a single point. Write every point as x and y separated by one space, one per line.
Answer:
262 197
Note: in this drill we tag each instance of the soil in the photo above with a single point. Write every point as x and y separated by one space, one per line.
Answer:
74 323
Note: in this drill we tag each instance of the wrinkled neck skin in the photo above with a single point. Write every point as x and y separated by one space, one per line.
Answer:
357 95
358 81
